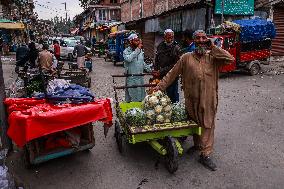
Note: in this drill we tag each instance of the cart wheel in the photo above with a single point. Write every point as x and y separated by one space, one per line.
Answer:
26 158
254 69
172 155
118 136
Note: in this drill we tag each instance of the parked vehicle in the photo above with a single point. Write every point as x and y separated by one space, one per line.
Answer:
250 45
67 48
116 49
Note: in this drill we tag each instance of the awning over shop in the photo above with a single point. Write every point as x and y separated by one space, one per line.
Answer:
7 24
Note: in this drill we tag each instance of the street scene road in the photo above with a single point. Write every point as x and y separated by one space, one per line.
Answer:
248 146
128 94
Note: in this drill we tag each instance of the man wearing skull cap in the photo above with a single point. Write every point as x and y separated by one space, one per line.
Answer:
134 64
200 72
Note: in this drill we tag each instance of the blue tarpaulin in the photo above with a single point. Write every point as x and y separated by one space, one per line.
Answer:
74 93
256 29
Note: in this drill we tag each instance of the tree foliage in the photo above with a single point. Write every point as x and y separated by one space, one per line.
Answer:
86 3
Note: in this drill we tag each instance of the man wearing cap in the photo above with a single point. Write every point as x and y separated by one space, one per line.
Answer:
168 53
199 71
134 64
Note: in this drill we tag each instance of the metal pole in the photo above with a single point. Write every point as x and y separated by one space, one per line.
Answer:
5 140
222 20
65 10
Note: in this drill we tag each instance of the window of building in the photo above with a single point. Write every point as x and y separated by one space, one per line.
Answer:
113 1
102 14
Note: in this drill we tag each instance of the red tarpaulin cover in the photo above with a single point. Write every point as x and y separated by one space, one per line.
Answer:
30 118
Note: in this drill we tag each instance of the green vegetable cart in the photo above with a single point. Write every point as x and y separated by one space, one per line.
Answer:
162 137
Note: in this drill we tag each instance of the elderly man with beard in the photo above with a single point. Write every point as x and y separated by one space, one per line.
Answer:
167 55
199 71
134 64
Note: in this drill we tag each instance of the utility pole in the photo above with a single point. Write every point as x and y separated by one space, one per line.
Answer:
5 140
222 20
65 10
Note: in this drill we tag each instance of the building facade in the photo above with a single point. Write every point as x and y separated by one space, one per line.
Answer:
278 19
151 17
98 19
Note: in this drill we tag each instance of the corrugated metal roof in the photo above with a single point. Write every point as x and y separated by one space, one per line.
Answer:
186 3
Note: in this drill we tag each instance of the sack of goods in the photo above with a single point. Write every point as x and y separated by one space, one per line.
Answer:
135 117
158 108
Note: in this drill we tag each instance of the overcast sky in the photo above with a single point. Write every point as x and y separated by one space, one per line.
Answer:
47 9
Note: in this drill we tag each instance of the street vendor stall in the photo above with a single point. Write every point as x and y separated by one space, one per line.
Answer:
47 131
10 32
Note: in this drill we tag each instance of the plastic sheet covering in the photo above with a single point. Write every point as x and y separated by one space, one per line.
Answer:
61 91
194 19
256 29
30 118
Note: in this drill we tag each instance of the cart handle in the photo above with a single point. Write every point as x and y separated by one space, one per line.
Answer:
129 75
135 86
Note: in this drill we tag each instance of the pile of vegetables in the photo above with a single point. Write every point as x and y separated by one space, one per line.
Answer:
135 116
157 107
178 113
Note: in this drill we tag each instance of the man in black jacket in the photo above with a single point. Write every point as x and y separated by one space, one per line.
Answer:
168 53
21 56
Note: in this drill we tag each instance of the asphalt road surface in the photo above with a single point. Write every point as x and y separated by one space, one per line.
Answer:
249 144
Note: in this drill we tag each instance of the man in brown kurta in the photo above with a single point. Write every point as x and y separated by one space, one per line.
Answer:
45 59
199 72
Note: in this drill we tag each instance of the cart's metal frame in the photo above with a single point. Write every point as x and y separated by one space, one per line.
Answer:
162 137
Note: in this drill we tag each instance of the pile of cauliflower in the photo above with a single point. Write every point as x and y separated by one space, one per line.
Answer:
135 116
158 108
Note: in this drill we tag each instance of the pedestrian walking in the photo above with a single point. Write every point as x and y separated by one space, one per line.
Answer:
81 51
168 53
32 54
199 71
134 64
94 41
21 56
56 50
46 60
